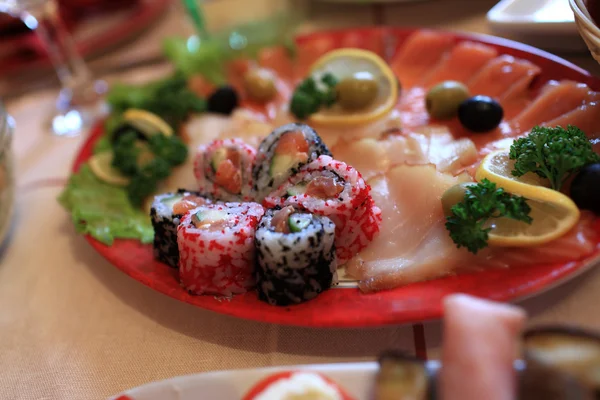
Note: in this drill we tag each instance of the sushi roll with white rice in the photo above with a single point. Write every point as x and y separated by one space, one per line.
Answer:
336 190
282 154
166 213
223 170
295 254
216 248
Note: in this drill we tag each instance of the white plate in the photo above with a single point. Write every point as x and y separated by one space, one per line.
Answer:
370 1
548 24
356 379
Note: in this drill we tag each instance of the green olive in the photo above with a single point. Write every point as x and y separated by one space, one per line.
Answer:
454 195
442 100
357 92
260 85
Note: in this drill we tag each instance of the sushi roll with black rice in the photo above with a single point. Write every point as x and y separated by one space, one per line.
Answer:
166 213
223 170
282 154
295 256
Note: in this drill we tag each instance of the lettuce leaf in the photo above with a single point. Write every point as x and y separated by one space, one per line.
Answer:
102 210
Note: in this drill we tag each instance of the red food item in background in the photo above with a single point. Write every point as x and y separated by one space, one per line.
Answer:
271 379
75 9
593 7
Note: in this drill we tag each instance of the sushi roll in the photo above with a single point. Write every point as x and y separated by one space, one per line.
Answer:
282 154
223 170
295 255
166 213
290 385
336 190
216 248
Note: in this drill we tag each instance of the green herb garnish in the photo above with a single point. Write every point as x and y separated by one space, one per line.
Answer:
552 153
168 152
313 93
168 98
483 202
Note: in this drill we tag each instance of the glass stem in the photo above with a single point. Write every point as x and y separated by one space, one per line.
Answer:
72 72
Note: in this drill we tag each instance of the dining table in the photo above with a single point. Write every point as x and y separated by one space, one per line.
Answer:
72 326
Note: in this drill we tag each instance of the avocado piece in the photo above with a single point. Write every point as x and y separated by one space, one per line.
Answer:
218 157
281 164
297 189
171 200
299 221
211 216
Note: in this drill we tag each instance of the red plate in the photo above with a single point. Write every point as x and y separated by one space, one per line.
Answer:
344 307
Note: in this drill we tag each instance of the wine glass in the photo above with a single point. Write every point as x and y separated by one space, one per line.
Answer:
80 100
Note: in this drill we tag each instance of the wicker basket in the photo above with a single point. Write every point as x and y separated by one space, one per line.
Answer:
587 28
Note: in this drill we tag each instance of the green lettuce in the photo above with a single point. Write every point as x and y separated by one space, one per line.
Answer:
102 210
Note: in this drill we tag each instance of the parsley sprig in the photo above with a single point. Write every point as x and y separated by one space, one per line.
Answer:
468 224
313 93
553 153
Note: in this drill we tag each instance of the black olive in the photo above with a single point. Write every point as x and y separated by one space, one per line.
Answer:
223 101
585 189
480 114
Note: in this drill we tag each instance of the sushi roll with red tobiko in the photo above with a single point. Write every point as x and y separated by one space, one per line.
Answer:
296 385
223 169
336 190
216 248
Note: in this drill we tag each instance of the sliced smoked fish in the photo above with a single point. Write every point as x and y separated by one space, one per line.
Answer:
461 63
419 53
371 40
413 244
497 78
278 60
554 100
577 244
309 51
586 117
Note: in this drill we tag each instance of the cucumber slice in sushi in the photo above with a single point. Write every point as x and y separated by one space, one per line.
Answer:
298 222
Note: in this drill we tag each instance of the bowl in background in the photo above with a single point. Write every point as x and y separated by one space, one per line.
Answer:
586 25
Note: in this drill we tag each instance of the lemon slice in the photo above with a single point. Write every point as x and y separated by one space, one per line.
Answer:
101 165
497 167
343 63
553 213
147 122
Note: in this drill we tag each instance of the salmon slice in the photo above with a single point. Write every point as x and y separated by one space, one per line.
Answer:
554 100
418 55
577 244
497 78
411 107
371 40
413 244
586 117
461 63
480 345
310 51
278 60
